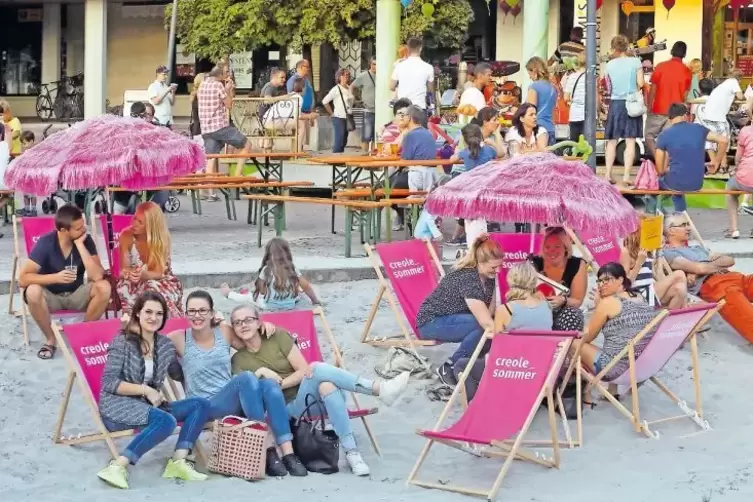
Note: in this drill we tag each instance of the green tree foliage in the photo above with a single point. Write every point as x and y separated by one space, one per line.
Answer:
214 28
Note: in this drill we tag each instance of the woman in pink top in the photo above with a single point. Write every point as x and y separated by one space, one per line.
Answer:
741 179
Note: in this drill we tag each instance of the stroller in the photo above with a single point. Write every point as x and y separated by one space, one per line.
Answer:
167 199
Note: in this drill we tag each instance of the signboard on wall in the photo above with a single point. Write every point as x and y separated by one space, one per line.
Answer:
29 15
185 62
242 65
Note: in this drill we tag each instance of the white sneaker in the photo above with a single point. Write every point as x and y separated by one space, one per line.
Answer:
390 390
356 463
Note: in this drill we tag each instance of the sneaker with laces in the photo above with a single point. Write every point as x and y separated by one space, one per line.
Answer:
294 466
446 374
275 467
746 210
114 475
182 469
390 390
356 463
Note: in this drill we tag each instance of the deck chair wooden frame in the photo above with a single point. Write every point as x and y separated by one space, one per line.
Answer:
385 290
361 413
510 449
641 425
74 377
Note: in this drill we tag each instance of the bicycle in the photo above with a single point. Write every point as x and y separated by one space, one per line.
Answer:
68 102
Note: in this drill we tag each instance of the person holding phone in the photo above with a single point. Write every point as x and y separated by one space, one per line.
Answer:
53 276
162 96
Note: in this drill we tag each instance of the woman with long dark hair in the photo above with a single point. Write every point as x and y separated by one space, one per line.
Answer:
525 135
137 363
620 314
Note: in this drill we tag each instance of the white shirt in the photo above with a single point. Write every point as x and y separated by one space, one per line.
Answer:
284 109
720 100
342 105
577 95
525 145
412 76
748 92
4 161
472 96
163 111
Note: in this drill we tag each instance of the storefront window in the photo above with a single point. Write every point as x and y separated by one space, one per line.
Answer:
738 40
20 50
635 25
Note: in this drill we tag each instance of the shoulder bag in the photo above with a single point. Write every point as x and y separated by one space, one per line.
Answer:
636 106
316 447
350 121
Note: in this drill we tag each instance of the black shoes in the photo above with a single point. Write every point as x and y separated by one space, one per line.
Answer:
278 468
446 374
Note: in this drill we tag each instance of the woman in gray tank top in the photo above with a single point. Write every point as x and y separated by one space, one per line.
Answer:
205 352
524 309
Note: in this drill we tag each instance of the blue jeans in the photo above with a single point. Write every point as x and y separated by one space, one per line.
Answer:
246 395
334 403
654 203
341 135
369 126
463 328
192 411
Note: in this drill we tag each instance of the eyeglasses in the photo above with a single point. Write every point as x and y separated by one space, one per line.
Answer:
246 321
198 312
604 280
681 225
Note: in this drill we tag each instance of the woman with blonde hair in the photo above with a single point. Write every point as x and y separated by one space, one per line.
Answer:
671 290
462 306
625 75
696 72
542 94
144 250
558 264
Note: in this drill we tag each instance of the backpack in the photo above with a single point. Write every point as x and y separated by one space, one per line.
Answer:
647 179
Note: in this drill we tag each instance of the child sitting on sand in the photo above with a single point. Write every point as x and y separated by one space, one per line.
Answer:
278 285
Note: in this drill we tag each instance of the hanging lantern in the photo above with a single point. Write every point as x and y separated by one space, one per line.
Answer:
668 4
599 3
512 3
427 9
627 7
406 3
504 7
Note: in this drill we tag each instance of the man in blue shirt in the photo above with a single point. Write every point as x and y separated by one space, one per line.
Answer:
419 144
53 276
681 156
302 68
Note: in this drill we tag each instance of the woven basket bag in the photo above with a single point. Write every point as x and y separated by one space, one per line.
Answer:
239 448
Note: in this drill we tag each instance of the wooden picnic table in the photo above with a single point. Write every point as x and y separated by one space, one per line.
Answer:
271 168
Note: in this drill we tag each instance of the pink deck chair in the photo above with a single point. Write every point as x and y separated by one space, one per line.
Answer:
597 249
517 248
300 324
84 347
33 229
119 223
413 271
673 329
521 370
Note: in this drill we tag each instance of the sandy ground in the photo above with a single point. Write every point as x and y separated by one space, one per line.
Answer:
615 462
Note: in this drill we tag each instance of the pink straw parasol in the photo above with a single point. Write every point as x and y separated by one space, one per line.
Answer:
538 188
105 150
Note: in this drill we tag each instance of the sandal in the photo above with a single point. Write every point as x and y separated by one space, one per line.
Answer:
731 234
47 351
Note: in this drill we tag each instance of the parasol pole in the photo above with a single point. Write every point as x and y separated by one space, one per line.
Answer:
591 112
171 39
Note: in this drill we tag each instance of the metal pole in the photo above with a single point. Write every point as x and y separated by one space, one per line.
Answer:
171 40
591 111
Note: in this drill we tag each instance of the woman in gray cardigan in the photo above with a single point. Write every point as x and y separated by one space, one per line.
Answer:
137 362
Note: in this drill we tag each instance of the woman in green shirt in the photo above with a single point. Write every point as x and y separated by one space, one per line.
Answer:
277 357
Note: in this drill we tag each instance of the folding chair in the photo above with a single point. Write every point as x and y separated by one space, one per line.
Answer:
89 342
300 324
119 223
596 249
413 269
673 329
521 370
517 247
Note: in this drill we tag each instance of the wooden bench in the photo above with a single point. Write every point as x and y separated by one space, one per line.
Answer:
363 210
380 193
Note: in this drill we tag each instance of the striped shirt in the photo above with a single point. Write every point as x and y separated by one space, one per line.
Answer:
644 281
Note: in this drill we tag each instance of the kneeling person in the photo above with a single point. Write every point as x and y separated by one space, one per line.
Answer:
53 276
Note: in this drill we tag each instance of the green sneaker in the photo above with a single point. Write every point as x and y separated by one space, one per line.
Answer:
114 475
182 469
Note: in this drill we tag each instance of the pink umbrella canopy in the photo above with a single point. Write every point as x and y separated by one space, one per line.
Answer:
105 150
538 188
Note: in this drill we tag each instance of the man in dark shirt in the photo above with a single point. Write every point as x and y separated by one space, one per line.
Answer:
680 156
53 276
419 144
272 89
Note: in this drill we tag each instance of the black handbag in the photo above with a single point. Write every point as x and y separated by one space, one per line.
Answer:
350 121
318 449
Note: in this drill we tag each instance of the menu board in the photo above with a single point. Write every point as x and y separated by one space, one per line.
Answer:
745 65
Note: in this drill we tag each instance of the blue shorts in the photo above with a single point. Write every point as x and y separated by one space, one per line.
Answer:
367 131
597 366
733 184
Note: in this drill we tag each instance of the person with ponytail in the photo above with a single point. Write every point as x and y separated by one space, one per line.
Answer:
619 315
461 308
524 309
488 120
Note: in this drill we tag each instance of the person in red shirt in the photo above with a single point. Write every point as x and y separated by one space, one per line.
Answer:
670 82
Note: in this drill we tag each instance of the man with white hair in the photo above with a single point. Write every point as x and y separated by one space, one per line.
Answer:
709 275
